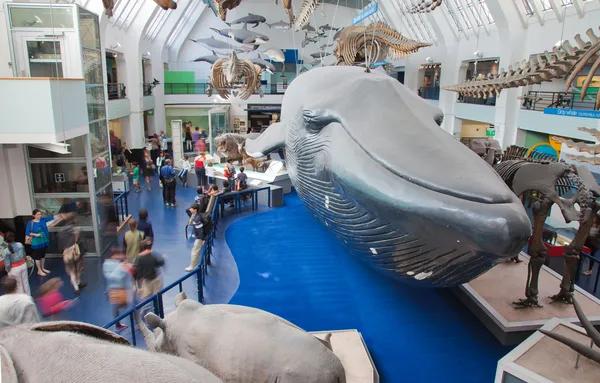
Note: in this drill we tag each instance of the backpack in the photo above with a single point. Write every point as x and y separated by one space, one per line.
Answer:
207 222
120 161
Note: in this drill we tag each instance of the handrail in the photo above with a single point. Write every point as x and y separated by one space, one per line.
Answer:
202 88
490 101
120 201
578 271
147 89
539 100
116 90
430 92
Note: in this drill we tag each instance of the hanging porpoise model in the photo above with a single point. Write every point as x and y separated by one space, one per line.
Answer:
369 160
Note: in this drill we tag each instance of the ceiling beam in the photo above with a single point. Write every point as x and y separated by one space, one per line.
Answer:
578 4
537 9
558 10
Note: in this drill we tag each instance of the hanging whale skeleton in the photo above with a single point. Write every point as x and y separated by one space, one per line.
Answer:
396 190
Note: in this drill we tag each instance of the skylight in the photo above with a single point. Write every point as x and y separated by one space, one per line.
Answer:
546 5
567 3
528 7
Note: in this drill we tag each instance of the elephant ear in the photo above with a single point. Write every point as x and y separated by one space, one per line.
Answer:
8 374
81 328
180 298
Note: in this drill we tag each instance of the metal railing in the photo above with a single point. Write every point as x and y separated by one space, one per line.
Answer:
121 206
116 91
578 280
491 101
430 93
539 100
202 87
147 89
200 272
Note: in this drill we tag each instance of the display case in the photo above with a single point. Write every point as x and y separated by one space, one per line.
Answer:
218 123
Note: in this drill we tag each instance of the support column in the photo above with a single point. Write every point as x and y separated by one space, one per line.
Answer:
134 136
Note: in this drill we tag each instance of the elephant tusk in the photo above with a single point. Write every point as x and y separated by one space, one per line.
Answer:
148 335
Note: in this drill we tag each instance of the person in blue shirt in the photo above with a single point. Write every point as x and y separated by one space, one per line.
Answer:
144 224
119 282
37 229
168 174
15 263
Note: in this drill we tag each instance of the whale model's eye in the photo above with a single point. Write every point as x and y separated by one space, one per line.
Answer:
439 119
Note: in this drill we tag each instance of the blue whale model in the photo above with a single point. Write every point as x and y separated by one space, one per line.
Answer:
369 160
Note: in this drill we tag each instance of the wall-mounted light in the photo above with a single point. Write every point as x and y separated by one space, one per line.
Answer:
559 43
118 45
148 53
429 60
478 54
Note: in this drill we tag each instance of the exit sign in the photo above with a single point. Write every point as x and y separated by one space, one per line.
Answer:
490 132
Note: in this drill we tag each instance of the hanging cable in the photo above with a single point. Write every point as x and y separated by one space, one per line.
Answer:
56 72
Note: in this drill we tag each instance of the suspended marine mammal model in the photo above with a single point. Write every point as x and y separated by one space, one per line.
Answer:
399 192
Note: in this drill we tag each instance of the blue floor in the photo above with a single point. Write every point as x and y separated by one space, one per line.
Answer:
290 265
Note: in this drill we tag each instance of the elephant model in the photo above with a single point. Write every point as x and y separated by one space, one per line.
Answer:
242 344
80 352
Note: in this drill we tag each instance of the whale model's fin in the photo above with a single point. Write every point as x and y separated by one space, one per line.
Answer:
270 140
317 119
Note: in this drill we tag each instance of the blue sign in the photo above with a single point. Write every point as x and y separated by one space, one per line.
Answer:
380 63
573 112
371 9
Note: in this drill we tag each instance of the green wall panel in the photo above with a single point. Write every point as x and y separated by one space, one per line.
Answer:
533 138
177 77
199 121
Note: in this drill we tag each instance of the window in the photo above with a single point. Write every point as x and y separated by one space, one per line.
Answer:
546 5
528 7
486 11
471 7
567 3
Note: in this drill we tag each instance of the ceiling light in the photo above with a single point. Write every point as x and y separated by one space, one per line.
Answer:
118 45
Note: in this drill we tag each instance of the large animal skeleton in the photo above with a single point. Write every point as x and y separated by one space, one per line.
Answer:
584 350
542 182
306 11
234 146
359 45
233 76
564 62
222 6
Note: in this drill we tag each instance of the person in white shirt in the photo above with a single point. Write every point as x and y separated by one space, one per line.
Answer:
164 144
185 168
16 308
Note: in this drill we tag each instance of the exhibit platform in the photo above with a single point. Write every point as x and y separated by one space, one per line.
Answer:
350 348
541 359
490 298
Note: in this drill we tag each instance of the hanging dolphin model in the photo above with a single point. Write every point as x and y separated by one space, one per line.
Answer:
264 65
319 55
250 19
308 28
211 59
325 46
327 27
219 46
280 25
369 160
243 35
275 54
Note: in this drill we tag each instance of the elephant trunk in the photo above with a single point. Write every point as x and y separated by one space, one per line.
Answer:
148 335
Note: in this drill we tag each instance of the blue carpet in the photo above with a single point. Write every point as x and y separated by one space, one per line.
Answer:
290 265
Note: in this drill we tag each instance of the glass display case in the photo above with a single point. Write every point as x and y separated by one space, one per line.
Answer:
218 123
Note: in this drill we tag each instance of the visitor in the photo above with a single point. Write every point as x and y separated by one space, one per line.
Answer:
241 181
213 190
189 146
200 195
155 148
202 135
168 174
201 227
69 245
144 224
229 171
50 300
37 236
146 268
159 164
122 160
195 136
201 145
164 144
148 170
15 308
185 168
200 169
162 180
593 243
132 240
115 143
15 263
135 175
227 189
119 283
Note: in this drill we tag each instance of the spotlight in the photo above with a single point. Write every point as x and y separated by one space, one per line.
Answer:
478 54
429 60
118 45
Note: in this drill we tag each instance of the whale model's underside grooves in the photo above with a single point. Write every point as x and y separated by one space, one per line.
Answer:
371 238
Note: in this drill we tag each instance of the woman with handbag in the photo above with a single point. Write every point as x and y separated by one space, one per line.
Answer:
37 236
119 280
15 263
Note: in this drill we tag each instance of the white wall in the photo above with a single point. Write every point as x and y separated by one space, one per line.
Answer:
14 186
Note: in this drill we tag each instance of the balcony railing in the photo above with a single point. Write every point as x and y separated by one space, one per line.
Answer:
202 87
539 100
477 100
147 89
116 91
430 93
